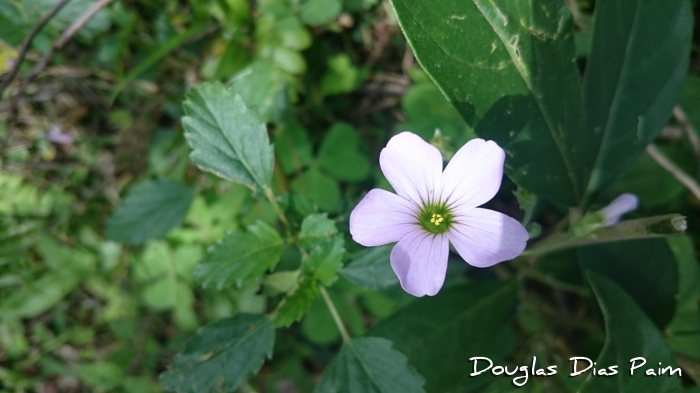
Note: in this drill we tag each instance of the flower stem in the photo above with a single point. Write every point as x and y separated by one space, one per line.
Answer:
276 207
334 313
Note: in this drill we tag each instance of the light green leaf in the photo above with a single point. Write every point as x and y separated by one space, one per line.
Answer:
431 331
320 12
150 210
342 76
371 268
237 345
155 261
263 88
295 305
101 375
318 187
683 329
630 334
226 136
315 229
370 365
512 80
325 260
634 73
162 294
38 296
240 257
185 258
646 269
339 155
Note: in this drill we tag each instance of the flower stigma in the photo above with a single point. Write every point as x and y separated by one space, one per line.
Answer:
435 218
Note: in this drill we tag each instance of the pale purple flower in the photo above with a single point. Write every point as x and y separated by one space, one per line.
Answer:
435 207
612 213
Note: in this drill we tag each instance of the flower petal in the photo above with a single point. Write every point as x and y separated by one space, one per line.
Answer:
413 167
382 217
625 203
473 175
420 262
484 237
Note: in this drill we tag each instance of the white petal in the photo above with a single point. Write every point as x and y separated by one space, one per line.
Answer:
484 237
625 203
413 167
420 262
382 217
474 174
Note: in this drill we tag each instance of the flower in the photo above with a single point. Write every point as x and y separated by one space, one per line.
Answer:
612 213
432 208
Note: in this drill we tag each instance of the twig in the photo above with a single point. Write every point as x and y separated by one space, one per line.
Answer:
28 41
336 317
67 35
692 133
677 172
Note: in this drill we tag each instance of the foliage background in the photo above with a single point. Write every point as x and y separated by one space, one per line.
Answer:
103 216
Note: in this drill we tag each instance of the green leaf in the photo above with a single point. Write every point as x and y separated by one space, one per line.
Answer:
342 76
513 80
150 210
339 154
293 147
315 229
431 332
222 355
320 12
240 257
646 269
371 268
318 187
226 136
325 260
630 334
683 329
634 73
263 88
370 365
295 305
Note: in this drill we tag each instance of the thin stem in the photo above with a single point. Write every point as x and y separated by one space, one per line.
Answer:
677 172
334 313
276 207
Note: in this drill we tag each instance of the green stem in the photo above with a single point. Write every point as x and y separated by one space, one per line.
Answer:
276 207
334 313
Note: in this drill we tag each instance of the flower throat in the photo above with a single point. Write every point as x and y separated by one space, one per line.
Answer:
435 218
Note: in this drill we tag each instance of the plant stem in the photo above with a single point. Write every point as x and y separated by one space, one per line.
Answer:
334 313
276 207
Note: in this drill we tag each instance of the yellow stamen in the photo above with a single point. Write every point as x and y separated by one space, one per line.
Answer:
437 219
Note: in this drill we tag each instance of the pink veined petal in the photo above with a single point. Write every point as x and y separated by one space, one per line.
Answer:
473 175
485 237
382 217
625 203
413 167
420 261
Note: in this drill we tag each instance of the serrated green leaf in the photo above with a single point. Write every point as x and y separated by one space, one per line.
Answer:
339 154
318 187
646 269
315 229
513 80
371 268
227 138
431 331
295 305
238 345
630 334
149 211
370 365
634 73
325 260
240 257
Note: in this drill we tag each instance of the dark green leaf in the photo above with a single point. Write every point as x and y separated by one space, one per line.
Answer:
370 365
292 147
630 334
222 355
315 229
240 257
440 334
318 187
295 305
227 138
684 328
512 79
339 155
646 269
371 269
638 61
325 260
149 211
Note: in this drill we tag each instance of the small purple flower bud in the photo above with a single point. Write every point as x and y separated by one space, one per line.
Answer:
623 204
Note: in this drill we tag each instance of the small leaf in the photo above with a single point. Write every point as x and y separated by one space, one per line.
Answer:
293 147
339 155
319 12
315 229
295 305
370 365
325 260
262 86
630 334
222 355
318 187
240 257
342 76
149 211
227 138
371 268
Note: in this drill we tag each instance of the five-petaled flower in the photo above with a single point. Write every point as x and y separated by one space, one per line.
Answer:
435 207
